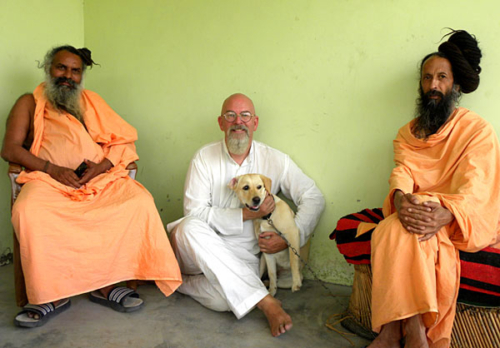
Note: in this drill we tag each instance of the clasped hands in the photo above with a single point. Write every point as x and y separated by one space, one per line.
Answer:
269 241
425 218
68 177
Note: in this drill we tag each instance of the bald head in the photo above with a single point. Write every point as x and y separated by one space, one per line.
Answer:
238 132
237 100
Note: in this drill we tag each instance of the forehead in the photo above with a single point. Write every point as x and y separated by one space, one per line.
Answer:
238 103
435 65
250 179
68 59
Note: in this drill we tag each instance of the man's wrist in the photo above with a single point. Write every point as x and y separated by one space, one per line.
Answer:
247 214
398 193
451 217
46 167
106 164
396 198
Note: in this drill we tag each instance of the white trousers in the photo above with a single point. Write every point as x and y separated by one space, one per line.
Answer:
220 276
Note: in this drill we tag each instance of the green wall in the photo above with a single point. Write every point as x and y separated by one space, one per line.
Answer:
332 82
28 28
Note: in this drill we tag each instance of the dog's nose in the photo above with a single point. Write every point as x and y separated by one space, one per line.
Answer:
256 200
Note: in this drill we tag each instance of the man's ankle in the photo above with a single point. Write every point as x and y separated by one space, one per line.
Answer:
267 301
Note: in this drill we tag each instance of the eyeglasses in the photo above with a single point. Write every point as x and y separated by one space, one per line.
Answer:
245 116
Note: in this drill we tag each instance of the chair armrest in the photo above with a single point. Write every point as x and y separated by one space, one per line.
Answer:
13 172
132 170
15 168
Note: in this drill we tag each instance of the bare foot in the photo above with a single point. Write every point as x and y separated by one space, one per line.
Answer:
105 291
389 336
279 321
415 333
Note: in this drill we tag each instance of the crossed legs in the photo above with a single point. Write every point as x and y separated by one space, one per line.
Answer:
223 277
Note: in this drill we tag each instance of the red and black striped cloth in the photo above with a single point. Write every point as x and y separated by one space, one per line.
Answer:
480 275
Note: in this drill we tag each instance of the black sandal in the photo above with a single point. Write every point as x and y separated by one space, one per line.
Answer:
44 311
120 298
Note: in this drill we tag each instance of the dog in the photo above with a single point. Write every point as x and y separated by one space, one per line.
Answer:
251 190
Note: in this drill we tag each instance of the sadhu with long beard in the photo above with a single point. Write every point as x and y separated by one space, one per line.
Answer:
444 197
87 230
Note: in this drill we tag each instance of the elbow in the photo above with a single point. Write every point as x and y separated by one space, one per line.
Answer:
321 203
7 154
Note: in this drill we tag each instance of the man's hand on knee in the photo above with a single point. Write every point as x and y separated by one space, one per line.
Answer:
94 169
436 219
425 218
410 212
64 175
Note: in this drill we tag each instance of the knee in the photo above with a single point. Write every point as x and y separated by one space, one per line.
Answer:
391 237
217 304
388 227
189 230
24 206
141 201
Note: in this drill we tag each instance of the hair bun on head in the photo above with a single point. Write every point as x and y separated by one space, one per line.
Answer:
86 56
463 52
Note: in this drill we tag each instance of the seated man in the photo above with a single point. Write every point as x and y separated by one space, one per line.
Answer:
80 233
215 243
444 196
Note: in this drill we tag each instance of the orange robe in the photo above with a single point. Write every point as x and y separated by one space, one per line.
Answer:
458 167
107 231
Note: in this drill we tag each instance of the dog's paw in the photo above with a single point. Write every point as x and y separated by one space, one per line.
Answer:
296 286
272 291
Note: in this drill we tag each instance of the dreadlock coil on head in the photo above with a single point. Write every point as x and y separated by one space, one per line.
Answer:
86 56
464 55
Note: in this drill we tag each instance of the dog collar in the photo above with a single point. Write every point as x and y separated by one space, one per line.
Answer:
267 216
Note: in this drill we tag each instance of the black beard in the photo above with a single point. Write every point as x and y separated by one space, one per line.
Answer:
431 114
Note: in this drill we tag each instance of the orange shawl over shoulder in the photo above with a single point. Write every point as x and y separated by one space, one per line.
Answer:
458 167
106 128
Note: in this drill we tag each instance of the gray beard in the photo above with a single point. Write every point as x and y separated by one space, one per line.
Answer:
63 97
237 145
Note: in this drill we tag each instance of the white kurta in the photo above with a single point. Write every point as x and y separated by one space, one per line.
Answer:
213 239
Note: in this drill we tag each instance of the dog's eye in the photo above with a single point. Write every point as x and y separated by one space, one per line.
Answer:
259 187
246 187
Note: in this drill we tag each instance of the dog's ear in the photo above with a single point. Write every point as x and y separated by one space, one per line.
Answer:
267 182
233 183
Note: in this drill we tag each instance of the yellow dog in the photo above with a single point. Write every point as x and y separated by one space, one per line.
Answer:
251 190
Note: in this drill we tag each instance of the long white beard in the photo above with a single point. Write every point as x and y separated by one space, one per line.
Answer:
62 97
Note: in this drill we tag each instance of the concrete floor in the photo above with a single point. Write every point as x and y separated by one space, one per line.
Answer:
178 321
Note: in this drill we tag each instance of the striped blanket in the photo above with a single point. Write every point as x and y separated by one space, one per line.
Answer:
480 272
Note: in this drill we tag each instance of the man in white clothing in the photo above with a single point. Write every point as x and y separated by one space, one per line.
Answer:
215 244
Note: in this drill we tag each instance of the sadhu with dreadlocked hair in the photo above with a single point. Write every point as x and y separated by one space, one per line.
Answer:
80 230
444 197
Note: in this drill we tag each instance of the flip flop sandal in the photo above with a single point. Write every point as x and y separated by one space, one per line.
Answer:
45 312
120 298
